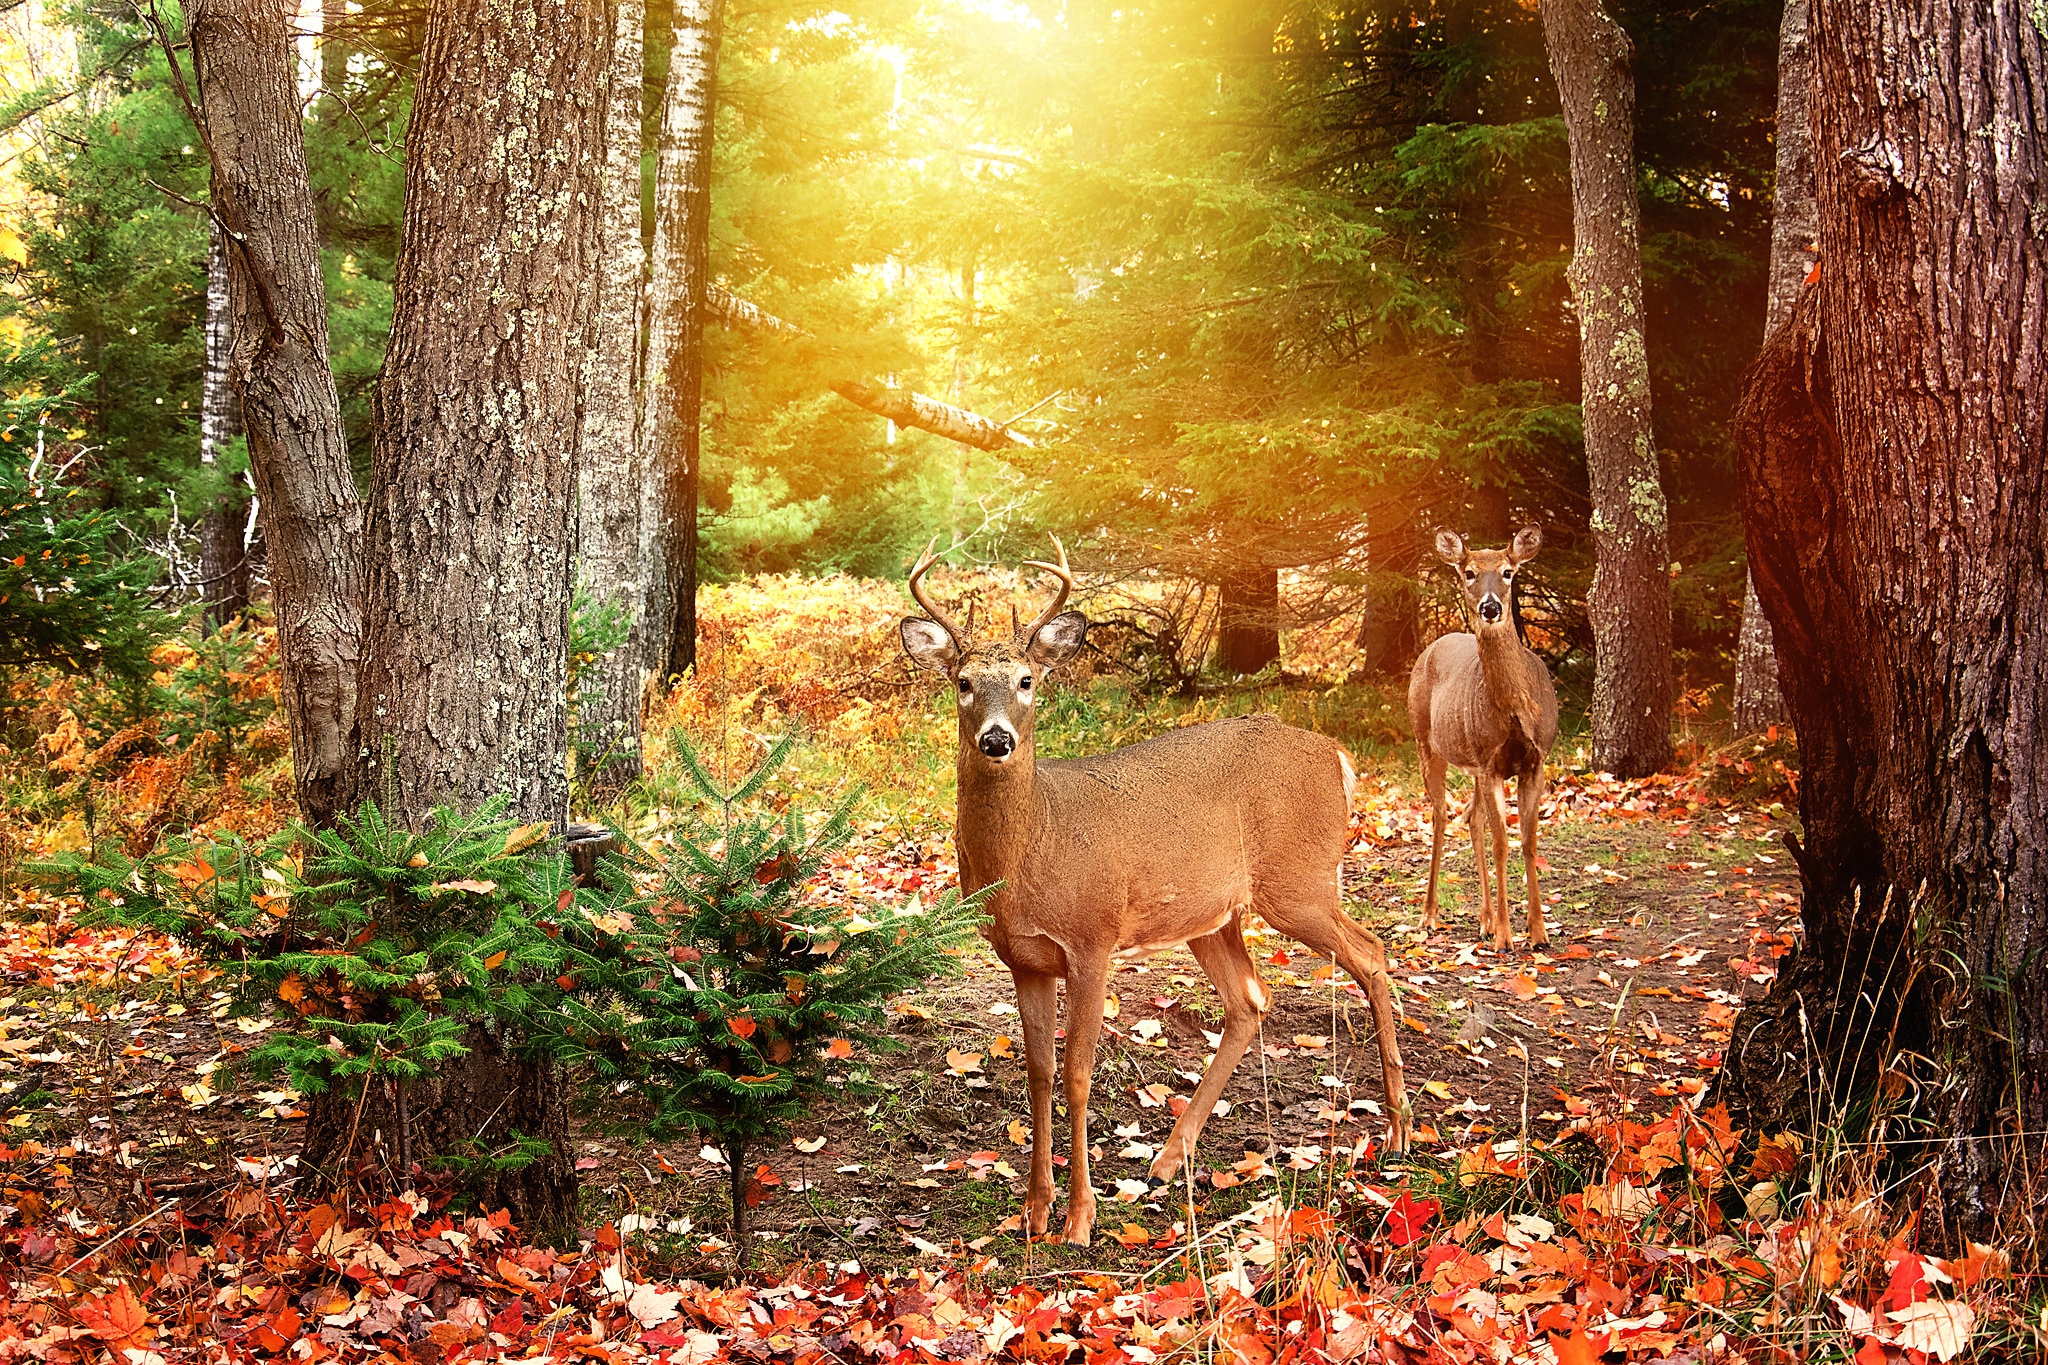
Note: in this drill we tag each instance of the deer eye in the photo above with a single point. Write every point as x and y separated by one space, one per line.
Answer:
1024 683
1471 577
1507 574
966 688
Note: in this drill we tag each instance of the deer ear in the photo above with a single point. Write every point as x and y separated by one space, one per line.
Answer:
1528 541
1450 547
928 645
1058 640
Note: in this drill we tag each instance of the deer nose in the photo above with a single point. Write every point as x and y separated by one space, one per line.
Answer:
997 742
1489 609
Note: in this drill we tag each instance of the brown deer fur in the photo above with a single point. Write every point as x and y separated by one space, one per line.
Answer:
1166 842
1486 703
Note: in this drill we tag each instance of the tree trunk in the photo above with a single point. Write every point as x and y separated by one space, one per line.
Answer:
1248 637
223 555
608 474
277 312
1895 504
1630 601
673 391
1758 705
466 630
1388 638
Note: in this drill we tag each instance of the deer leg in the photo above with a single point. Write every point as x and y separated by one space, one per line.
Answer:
1529 796
1038 1011
1497 827
1327 930
1087 984
1229 967
1475 819
1433 782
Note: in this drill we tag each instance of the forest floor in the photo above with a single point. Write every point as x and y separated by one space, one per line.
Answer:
1660 928
1572 1194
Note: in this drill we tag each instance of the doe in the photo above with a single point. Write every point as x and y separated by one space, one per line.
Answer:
1162 843
1486 703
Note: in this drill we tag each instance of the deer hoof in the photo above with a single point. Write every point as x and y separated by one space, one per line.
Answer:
1079 1229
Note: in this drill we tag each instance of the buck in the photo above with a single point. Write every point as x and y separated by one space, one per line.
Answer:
1486 703
1171 841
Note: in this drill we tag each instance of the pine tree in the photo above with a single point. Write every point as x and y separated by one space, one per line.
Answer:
725 1001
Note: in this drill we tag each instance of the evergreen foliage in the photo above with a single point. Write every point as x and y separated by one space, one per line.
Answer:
73 595
723 1001
381 946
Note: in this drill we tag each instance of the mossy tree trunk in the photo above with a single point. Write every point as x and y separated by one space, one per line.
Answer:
609 476
463 687
1895 505
1630 601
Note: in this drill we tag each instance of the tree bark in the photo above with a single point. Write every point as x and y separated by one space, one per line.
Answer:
468 598
1630 601
608 475
1248 635
1895 505
673 392
243 61
223 551
1758 704
467 604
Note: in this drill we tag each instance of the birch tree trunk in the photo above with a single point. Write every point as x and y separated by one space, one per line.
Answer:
467 604
1630 601
243 61
608 474
223 555
672 393
1794 223
1895 499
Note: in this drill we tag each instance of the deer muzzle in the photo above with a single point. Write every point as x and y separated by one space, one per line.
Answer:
1490 609
997 740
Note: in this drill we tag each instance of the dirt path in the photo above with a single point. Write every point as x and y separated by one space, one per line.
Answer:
1661 927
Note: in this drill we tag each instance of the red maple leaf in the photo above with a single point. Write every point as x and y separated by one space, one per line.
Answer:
1407 1219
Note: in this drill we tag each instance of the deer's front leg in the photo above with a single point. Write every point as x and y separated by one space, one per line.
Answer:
1038 1011
1087 984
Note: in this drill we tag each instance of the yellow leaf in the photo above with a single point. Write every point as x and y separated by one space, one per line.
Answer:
1438 1089
526 836
467 884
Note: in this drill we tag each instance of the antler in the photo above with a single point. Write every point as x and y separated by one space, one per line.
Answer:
931 609
1059 600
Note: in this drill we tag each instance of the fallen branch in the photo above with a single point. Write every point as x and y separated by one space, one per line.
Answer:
902 406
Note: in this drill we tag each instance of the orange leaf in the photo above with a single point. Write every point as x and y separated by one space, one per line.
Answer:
1133 1235
291 989
1522 986
839 1048
1003 1046
742 1026
1578 1348
759 1080
116 1317
494 961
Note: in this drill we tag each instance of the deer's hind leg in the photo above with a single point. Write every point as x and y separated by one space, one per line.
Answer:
1223 957
1478 819
1322 927
1497 826
1433 782
1529 796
